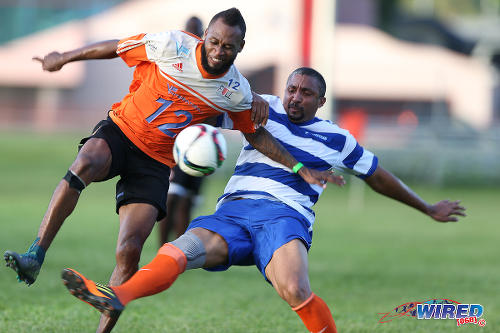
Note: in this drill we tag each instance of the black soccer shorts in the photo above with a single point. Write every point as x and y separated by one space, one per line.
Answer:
190 183
142 178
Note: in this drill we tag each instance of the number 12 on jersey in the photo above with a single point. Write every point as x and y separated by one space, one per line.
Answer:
165 104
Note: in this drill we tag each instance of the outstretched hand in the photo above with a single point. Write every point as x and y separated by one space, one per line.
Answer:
51 62
321 178
260 110
446 211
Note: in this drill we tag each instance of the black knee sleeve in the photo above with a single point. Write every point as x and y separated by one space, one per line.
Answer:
74 181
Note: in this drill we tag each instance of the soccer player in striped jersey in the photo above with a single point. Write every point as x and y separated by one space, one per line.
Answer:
179 80
264 217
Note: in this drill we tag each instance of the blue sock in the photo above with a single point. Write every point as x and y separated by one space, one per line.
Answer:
37 251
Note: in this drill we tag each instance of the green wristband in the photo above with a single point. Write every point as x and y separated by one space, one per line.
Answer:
297 167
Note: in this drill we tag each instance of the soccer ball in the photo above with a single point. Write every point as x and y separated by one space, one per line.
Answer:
199 150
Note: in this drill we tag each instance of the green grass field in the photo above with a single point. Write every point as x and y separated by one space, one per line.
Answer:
368 257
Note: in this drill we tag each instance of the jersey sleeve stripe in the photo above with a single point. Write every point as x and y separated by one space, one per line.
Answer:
279 175
130 50
371 170
129 43
129 47
353 157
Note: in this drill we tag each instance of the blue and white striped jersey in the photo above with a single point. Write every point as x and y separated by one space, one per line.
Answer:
318 144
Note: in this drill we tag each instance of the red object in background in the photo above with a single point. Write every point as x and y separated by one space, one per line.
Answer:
307 6
354 120
407 118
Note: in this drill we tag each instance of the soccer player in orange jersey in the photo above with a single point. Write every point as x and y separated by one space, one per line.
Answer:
179 80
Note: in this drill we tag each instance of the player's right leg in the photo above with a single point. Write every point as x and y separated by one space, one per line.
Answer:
92 163
101 297
197 248
136 223
288 274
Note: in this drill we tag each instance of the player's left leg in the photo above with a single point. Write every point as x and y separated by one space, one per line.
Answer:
92 163
288 272
136 223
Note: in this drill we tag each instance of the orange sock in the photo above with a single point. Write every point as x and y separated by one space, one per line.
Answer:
316 315
155 277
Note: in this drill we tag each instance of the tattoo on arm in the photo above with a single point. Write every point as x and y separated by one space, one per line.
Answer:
264 142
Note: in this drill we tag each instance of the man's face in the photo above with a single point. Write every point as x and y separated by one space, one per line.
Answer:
221 45
302 98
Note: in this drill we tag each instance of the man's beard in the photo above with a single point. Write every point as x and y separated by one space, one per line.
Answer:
213 71
297 117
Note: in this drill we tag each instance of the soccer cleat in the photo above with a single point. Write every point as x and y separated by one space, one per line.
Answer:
26 266
101 297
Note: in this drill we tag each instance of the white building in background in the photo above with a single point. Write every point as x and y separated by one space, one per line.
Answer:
370 64
358 62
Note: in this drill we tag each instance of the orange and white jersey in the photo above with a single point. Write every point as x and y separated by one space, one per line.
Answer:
171 90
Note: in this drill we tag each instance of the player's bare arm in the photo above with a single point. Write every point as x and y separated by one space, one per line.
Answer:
325 177
54 61
260 110
384 182
264 142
